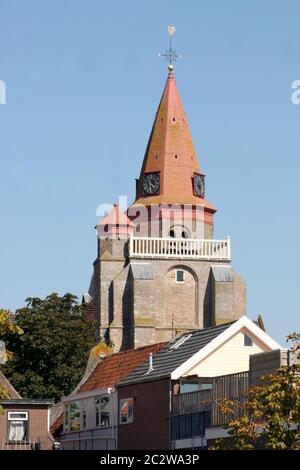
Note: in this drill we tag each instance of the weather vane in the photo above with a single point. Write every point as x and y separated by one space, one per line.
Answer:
170 55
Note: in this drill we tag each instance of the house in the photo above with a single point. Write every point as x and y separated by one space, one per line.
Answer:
189 375
24 424
90 419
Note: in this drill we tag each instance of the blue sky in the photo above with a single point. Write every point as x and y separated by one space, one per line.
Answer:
83 83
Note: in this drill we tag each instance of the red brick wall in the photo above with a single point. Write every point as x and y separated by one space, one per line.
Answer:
38 428
150 426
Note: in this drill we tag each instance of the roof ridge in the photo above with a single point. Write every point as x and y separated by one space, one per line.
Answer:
127 351
202 330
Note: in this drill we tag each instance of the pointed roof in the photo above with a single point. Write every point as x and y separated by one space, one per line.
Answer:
116 218
115 222
171 152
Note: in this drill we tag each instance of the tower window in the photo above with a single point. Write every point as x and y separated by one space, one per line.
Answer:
180 276
174 119
247 340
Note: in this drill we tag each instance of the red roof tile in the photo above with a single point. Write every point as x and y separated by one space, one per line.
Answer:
112 369
170 151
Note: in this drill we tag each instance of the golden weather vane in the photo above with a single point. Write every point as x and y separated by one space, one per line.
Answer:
170 54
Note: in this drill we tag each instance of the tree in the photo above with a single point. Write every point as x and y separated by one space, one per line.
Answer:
271 417
7 326
51 356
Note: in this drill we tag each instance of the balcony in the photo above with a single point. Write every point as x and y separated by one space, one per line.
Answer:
179 248
194 412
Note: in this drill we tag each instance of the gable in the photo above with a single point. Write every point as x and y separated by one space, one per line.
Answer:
230 357
262 342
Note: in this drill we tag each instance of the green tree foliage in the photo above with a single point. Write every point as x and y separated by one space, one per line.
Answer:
7 327
51 356
271 417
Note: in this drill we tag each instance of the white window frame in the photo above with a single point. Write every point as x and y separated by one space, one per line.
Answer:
98 411
12 416
120 410
176 280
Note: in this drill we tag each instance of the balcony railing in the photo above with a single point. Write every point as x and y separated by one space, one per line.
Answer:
192 402
195 410
179 248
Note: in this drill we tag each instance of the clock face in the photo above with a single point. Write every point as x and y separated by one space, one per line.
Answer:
151 183
199 185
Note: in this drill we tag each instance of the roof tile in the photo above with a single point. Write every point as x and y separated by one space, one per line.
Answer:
115 367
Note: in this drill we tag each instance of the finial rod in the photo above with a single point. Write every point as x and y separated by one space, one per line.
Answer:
170 54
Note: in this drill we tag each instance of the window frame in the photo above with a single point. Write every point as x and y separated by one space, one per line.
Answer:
84 414
122 400
66 418
176 277
11 419
72 416
97 405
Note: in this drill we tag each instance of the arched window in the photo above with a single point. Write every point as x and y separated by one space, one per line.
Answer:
178 231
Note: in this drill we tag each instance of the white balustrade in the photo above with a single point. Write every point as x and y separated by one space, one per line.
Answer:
154 247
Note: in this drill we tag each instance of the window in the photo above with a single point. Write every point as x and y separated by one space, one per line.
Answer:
84 415
66 421
74 415
180 276
126 410
247 340
17 426
102 408
194 386
104 411
97 410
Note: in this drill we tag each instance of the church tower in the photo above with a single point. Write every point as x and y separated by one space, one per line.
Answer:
170 177
159 272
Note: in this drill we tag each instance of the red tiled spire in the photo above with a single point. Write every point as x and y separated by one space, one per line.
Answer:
170 151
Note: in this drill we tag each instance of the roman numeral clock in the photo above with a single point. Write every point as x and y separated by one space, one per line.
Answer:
151 183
